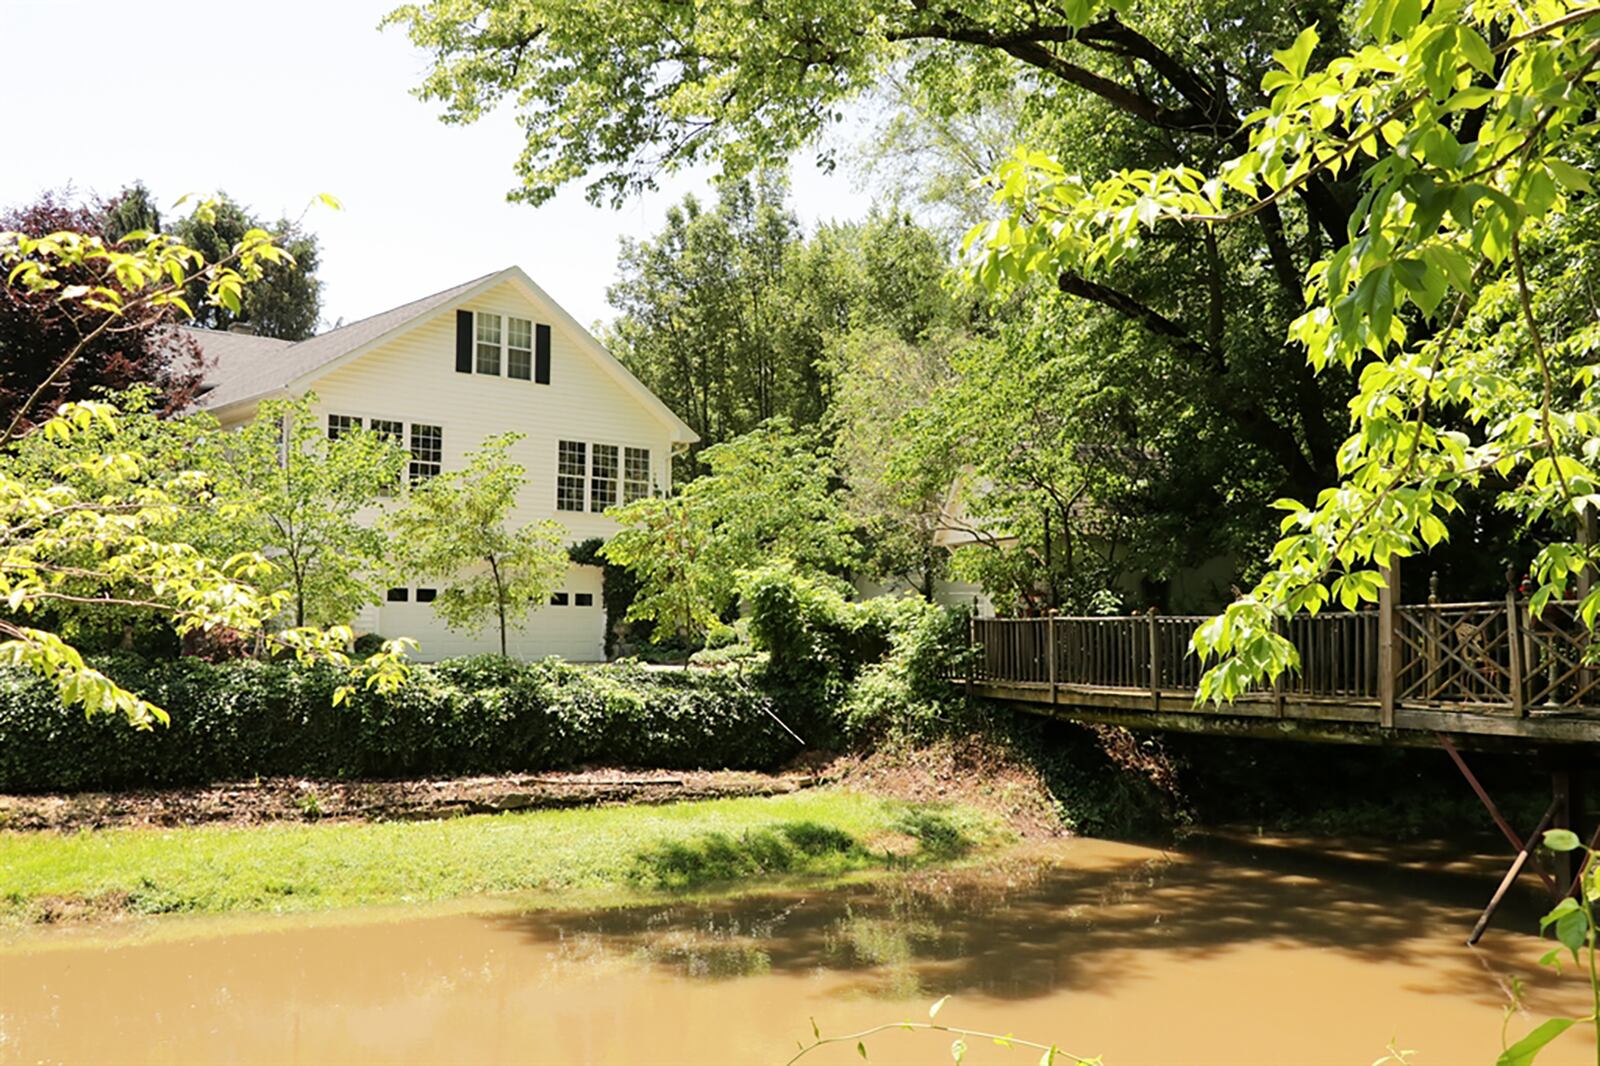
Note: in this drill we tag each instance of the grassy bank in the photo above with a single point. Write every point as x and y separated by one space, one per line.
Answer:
48 876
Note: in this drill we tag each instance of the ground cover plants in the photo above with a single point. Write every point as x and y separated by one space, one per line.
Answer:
297 867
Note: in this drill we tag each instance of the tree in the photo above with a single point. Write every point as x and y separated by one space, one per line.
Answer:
728 314
767 495
700 305
1033 441
38 330
879 381
284 487
456 526
627 90
114 545
1468 134
286 303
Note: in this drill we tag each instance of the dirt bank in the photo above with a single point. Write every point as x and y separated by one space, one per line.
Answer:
300 799
969 770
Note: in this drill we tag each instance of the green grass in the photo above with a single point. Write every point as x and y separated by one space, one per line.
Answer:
641 849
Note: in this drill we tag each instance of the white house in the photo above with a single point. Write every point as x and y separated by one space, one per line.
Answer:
442 374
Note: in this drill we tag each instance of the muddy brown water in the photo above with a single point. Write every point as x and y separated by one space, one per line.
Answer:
1299 952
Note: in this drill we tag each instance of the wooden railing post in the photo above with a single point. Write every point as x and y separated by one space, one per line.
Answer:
972 644
1155 659
1050 650
1514 651
1388 658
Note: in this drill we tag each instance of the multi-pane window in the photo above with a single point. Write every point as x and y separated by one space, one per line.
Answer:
635 474
339 425
427 451
519 348
571 470
389 429
603 477
488 343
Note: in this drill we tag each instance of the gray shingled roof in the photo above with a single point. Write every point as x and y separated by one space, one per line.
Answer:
244 367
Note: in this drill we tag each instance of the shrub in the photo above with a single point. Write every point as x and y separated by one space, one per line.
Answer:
235 720
878 665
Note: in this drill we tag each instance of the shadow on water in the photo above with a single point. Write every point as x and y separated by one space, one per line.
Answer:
1031 927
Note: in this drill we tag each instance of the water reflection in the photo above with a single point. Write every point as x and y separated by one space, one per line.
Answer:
1253 955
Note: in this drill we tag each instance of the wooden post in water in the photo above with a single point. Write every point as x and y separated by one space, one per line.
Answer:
1388 659
1050 650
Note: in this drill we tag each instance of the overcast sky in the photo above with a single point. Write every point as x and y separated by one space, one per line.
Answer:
278 101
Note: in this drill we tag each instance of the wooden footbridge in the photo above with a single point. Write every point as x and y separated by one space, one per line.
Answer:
1486 675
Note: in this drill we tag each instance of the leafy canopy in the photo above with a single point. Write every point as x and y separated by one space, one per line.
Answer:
1469 134
101 527
767 495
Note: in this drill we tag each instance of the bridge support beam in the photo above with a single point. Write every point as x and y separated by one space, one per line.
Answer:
1558 815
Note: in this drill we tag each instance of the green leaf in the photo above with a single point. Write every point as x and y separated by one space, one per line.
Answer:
1523 1051
1569 176
1572 930
1561 840
958 1049
862 1048
1297 55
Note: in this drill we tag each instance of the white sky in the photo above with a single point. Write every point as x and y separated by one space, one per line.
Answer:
277 101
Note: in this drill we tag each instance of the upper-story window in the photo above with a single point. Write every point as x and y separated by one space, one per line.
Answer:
519 348
635 474
339 425
488 361
571 470
603 477
427 451
387 428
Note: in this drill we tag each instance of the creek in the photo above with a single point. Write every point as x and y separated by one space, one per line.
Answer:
1222 951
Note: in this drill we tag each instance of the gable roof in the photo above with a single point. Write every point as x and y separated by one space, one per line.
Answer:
247 369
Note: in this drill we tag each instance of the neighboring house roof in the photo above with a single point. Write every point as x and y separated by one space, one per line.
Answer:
247 369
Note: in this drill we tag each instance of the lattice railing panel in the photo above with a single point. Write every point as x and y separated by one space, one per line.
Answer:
1453 654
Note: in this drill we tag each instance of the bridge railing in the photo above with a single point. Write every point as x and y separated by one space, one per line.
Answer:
1490 657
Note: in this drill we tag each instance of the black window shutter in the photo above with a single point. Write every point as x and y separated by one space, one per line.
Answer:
541 354
463 342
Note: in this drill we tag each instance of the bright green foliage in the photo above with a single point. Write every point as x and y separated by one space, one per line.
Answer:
1468 156
102 528
458 527
884 662
1573 923
767 495
283 487
486 714
1030 437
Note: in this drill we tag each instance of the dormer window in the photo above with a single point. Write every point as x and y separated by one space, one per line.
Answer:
519 349
488 361
486 343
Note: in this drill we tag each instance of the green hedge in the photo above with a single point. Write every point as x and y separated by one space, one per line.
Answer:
241 719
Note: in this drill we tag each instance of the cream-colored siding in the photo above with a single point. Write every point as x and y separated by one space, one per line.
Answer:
411 378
